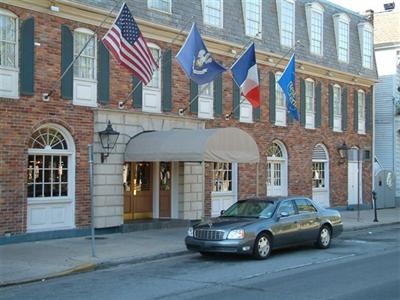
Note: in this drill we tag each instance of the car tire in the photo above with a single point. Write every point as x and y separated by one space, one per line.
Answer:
324 237
262 246
206 254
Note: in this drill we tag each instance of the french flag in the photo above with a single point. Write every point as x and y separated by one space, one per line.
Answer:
245 74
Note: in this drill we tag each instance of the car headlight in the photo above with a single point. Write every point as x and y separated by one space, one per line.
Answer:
236 234
190 231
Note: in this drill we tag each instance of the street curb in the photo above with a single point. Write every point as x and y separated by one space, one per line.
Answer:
87 267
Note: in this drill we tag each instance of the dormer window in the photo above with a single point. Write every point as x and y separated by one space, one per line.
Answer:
342 25
160 5
315 25
213 13
252 17
365 33
286 18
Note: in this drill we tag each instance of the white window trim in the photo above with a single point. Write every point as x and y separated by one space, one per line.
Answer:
318 8
259 35
280 110
92 82
362 28
284 166
279 9
326 169
12 70
206 98
361 120
338 118
245 104
341 17
159 10
221 15
147 89
310 114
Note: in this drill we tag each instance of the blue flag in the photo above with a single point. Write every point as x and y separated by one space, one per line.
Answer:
196 61
287 83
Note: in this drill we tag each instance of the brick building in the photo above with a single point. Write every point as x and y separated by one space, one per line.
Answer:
44 157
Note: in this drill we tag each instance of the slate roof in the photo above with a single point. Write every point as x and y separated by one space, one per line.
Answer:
233 29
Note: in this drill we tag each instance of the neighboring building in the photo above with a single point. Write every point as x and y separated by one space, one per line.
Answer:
387 94
44 158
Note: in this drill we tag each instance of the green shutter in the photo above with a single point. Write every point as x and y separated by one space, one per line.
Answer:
235 100
27 57
368 113
218 96
318 106
330 106
166 74
257 111
67 56
355 111
302 102
137 93
103 86
344 109
272 97
194 99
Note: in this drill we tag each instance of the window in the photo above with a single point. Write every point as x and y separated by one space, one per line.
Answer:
286 19
8 54
288 207
206 101
342 24
315 25
222 177
276 170
318 174
85 68
152 91
337 108
361 111
161 5
366 40
246 111
213 12
280 103
319 167
304 206
310 103
252 17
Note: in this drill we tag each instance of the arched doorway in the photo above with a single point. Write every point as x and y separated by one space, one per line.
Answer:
51 179
320 173
277 170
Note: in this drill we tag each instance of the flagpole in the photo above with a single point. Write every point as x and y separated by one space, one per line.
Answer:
228 116
121 104
46 96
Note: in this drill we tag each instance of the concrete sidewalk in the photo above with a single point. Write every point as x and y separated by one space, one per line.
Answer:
33 261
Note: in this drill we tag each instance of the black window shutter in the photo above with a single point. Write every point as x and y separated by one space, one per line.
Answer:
318 107
355 110
194 99
218 97
138 92
27 57
368 113
103 86
272 97
344 109
330 106
166 74
302 102
67 56
235 100
257 111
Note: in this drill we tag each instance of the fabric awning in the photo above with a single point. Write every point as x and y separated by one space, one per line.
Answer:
214 145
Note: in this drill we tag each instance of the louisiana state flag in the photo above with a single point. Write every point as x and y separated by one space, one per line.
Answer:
287 83
245 74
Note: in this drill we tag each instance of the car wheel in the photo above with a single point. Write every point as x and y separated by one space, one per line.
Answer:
324 237
262 246
206 254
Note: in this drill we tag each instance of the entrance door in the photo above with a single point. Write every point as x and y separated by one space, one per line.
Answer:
165 190
353 189
138 203
274 179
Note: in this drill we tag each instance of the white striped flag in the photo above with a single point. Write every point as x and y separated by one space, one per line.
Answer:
127 44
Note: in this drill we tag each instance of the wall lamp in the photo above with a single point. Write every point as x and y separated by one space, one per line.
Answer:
342 150
108 139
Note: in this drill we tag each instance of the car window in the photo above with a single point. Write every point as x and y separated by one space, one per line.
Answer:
287 206
250 209
304 206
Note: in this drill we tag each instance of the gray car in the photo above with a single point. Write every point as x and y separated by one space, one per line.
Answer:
256 226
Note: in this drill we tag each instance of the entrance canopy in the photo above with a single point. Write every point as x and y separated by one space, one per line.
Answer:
214 145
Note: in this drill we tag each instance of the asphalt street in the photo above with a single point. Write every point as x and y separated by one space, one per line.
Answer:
359 265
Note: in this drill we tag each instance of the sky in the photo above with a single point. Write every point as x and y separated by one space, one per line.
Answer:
363 5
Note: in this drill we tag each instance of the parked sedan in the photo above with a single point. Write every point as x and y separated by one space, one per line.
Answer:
256 226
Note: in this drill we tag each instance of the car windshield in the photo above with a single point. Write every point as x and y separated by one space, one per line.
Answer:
250 209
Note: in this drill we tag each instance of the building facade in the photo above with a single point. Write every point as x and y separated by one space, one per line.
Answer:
44 171
387 120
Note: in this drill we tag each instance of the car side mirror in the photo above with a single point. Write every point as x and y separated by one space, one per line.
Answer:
283 214
222 212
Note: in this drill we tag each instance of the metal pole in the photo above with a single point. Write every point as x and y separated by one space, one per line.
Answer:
375 209
90 150
358 185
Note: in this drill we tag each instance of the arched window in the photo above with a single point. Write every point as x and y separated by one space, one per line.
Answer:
320 175
276 169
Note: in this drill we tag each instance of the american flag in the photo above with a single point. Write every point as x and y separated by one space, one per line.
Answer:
127 44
